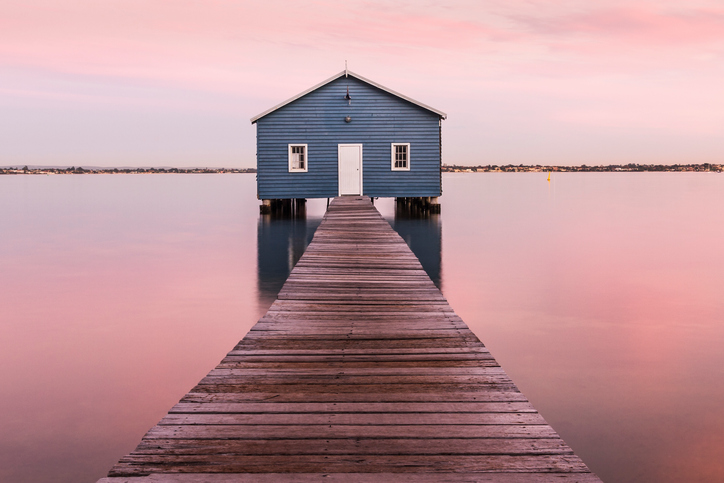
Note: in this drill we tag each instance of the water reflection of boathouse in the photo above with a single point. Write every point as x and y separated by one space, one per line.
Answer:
422 231
282 237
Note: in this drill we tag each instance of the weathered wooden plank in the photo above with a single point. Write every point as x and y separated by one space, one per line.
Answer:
229 363
222 463
470 351
354 407
342 379
385 373
317 333
355 314
353 419
359 343
390 329
339 387
352 446
382 359
377 323
309 431
356 355
357 397
439 477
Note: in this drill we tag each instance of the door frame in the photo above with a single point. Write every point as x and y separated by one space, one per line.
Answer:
339 170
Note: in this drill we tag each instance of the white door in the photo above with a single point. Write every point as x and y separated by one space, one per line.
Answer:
350 169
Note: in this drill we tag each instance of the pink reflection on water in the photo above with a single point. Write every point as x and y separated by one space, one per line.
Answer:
118 295
600 294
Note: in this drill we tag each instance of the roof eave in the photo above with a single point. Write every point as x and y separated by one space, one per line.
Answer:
397 94
301 94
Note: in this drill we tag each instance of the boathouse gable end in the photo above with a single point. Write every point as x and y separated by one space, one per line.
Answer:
324 119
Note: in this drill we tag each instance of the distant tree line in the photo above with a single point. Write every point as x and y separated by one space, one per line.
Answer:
602 168
81 170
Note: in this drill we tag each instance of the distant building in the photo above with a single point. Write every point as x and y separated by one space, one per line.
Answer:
349 136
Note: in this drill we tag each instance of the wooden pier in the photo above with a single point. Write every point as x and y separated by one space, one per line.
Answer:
359 372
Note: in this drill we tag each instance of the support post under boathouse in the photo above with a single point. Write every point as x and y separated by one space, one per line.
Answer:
359 372
349 135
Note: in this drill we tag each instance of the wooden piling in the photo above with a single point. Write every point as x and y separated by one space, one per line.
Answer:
290 207
420 205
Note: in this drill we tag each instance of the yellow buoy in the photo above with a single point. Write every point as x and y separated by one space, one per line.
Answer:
549 175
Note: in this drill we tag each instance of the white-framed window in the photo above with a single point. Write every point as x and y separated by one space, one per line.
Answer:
400 156
298 162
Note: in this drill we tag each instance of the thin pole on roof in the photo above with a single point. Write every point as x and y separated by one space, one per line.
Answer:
345 67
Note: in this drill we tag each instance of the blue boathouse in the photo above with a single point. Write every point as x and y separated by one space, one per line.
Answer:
349 136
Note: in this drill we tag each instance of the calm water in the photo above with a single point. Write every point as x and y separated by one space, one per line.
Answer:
601 294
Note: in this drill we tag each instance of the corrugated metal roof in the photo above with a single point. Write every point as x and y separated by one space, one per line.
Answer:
337 76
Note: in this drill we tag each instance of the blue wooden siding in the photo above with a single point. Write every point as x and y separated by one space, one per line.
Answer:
378 120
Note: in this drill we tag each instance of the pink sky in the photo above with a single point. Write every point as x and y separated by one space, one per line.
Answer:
133 83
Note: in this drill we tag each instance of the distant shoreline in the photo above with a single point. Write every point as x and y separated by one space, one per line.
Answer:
583 168
81 170
706 167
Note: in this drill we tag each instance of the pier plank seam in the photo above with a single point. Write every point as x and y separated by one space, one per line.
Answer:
359 371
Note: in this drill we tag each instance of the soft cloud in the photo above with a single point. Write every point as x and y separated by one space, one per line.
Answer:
642 25
493 65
